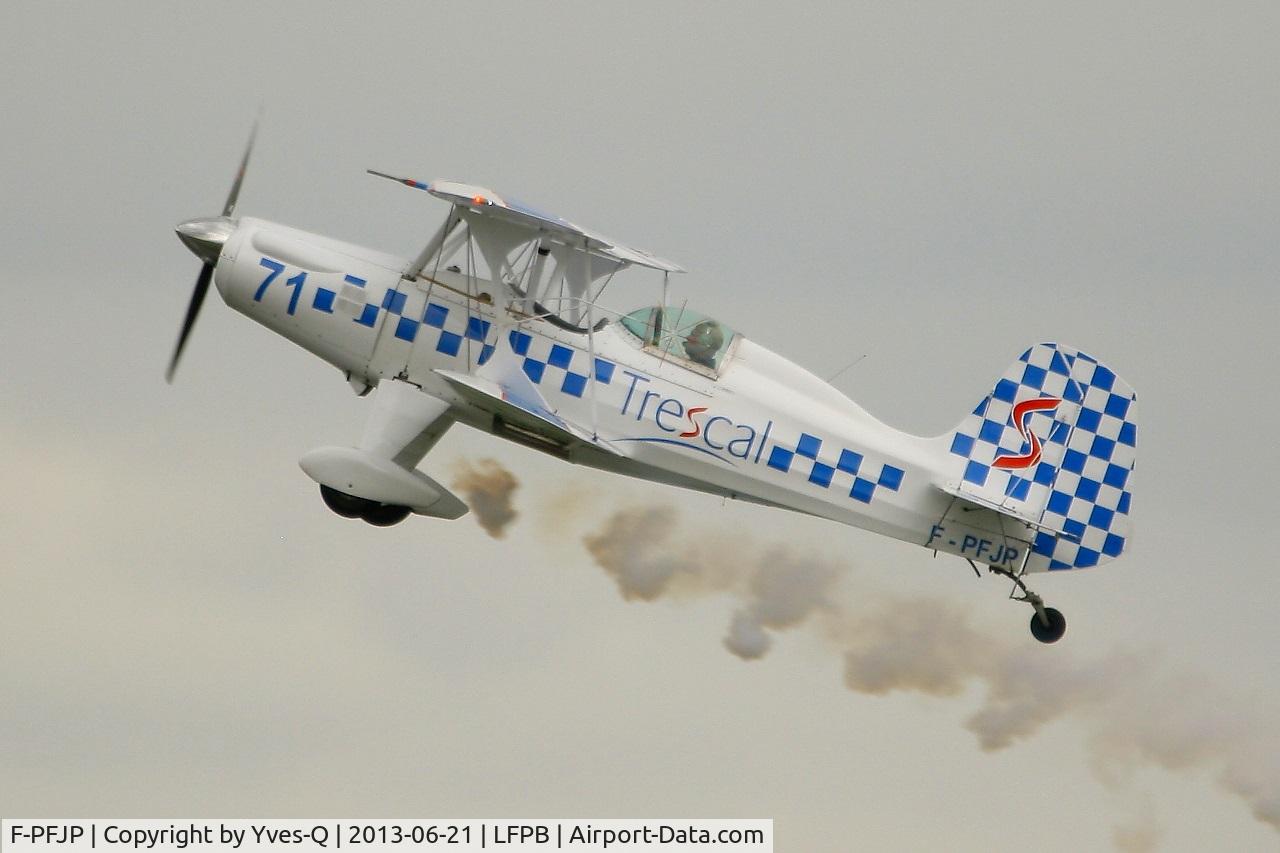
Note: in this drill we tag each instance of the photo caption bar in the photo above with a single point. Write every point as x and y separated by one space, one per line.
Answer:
366 836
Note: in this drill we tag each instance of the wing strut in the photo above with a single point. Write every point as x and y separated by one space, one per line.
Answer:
434 245
591 348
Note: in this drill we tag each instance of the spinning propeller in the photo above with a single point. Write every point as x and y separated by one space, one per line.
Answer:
205 237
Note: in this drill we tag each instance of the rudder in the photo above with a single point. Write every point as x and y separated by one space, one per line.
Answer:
1054 445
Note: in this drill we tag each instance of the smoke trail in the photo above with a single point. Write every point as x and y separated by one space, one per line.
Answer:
747 638
624 548
487 487
1137 712
1141 835
782 592
635 548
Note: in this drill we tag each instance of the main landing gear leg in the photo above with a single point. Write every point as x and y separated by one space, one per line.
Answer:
1047 624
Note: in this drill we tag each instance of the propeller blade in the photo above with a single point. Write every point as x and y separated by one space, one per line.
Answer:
193 310
230 206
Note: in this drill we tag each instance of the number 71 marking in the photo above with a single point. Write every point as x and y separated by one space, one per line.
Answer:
276 268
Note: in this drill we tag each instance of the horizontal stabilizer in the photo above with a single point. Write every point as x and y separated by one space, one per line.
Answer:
976 500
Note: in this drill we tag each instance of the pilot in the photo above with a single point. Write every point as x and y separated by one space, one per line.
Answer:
704 342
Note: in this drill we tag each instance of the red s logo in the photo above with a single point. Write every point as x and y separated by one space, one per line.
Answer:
1021 414
697 427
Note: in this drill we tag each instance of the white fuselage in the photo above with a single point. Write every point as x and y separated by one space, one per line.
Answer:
764 430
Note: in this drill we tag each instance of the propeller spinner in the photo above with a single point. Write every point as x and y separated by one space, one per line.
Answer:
205 237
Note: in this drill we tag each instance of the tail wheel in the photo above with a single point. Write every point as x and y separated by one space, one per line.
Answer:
1047 625
345 505
385 515
1051 627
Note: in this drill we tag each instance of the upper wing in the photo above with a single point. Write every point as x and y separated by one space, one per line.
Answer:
489 203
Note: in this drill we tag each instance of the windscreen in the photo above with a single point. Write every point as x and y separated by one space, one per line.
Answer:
682 333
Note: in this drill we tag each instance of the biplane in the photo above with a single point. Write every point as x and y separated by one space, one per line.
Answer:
497 323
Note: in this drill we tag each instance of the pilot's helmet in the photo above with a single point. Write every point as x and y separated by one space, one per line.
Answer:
704 341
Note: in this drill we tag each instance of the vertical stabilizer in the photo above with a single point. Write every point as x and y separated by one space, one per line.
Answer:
1054 445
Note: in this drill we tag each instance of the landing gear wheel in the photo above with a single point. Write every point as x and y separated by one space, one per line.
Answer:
345 505
385 515
1047 625
1052 632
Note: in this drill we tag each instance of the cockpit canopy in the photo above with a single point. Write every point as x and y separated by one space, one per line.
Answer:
682 333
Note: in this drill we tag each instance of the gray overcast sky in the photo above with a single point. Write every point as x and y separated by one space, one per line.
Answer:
184 629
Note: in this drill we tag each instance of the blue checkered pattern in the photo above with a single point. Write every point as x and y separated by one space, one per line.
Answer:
452 327
323 301
557 365
544 361
866 478
1082 484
